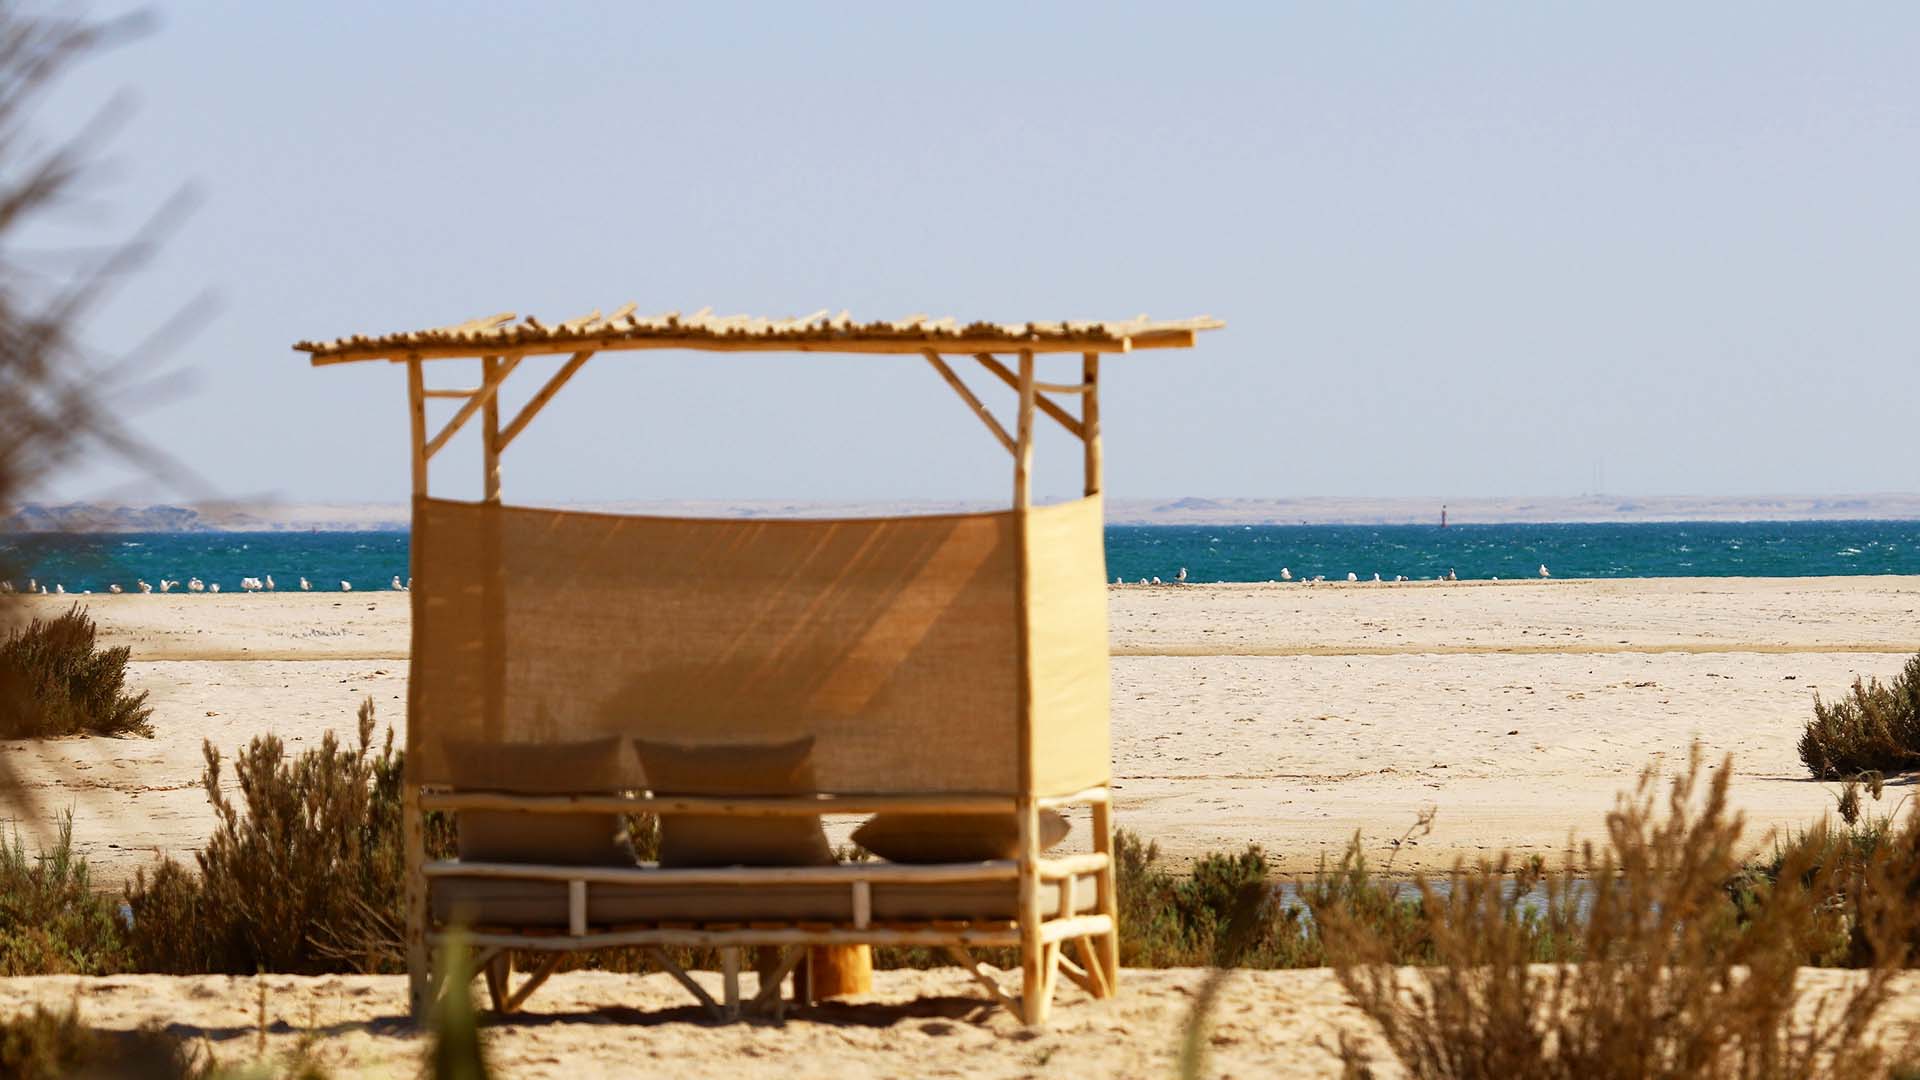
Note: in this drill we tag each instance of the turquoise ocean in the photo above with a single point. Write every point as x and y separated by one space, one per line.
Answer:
370 560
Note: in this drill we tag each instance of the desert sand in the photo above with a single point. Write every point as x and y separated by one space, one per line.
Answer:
591 1025
1291 716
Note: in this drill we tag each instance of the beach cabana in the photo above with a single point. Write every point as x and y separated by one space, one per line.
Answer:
740 678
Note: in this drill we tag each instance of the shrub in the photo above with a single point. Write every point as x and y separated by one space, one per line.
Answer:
302 874
1875 728
47 1045
1678 976
51 921
53 681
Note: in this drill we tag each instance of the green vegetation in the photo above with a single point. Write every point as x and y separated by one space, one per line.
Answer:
303 873
51 920
1875 728
55 681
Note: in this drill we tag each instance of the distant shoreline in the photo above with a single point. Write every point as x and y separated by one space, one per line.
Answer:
1128 511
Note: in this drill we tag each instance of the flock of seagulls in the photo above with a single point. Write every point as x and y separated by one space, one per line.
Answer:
1286 574
264 583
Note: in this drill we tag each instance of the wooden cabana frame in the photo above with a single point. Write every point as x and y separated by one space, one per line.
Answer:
498 345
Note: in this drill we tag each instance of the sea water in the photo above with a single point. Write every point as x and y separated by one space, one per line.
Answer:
370 560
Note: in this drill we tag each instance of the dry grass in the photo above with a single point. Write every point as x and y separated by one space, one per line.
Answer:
1679 975
303 873
59 683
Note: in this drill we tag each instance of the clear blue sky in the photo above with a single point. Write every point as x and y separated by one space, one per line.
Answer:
1460 249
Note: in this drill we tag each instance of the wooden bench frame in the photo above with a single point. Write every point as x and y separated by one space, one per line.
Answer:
1042 942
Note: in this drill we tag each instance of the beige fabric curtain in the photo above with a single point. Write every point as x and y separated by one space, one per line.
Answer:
894 643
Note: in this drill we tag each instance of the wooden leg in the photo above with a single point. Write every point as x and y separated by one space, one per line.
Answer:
1108 893
730 976
498 969
538 975
1033 954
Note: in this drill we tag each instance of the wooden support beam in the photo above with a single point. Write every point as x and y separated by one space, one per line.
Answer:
1090 421
1092 977
1023 451
474 404
659 956
980 974
490 431
973 402
1059 415
1060 388
548 965
417 413
462 393
539 401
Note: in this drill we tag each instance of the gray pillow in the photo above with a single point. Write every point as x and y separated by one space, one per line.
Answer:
740 770
560 839
945 838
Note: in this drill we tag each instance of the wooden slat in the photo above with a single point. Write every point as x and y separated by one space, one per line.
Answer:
1083 797
462 393
1060 388
1059 415
980 975
539 401
1078 926
749 806
665 936
745 876
967 395
487 392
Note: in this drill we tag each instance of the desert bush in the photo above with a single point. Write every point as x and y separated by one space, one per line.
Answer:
57 682
51 920
303 873
1679 976
1875 728
47 1045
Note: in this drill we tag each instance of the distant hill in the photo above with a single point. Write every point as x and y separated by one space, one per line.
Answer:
1187 510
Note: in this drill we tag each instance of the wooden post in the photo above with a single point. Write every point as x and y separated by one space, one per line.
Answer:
1033 977
490 431
1108 896
1090 421
413 834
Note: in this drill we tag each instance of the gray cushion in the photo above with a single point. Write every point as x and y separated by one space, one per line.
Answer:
562 839
543 904
689 840
950 838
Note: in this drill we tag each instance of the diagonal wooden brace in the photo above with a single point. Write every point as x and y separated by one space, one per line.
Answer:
1061 416
486 393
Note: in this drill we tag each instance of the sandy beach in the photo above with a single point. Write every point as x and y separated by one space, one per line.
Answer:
1290 716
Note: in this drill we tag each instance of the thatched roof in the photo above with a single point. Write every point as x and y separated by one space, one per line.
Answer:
818 332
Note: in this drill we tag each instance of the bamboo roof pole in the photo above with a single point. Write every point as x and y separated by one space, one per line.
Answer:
1033 952
545 394
413 837
1090 419
490 430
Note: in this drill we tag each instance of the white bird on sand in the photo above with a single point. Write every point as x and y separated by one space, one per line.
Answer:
270 585
1351 576
250 584
60 588
194 584
1118 581
1156 581
305 585
1286 574
395 584
1182 575
1376 575
1451 576
144 587
215 587
1543 570
1399 577
115 589
346 586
